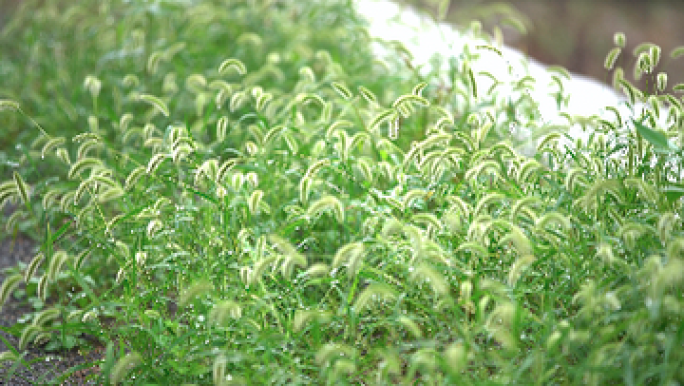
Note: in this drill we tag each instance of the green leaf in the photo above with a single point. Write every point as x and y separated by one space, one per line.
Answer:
383 155
673 192
656 138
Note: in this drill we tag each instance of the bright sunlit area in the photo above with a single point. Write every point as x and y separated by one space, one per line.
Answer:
426 38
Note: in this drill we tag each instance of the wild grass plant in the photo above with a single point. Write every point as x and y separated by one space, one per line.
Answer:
244 193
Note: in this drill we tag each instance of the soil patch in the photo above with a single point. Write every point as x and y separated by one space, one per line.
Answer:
42 367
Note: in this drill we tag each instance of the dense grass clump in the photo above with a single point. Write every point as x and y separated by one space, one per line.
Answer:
242 192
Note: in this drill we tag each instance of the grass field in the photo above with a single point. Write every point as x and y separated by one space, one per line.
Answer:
246 192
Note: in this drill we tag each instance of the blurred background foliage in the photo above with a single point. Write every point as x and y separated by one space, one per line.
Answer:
577 34
47 53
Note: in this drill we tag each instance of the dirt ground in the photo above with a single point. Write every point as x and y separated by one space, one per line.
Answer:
43 367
